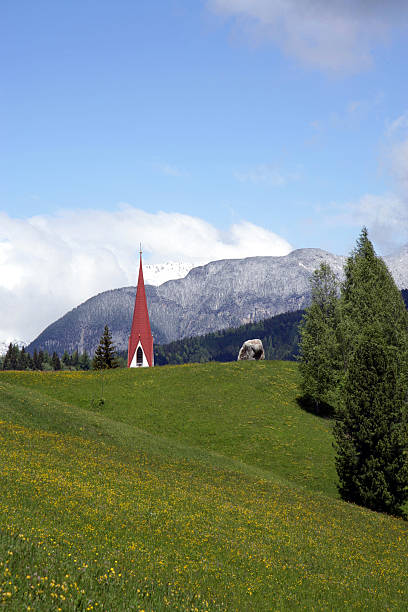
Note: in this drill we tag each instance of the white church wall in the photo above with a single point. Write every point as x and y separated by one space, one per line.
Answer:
134 364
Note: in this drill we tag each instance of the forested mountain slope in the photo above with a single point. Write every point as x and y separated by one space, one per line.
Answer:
279 336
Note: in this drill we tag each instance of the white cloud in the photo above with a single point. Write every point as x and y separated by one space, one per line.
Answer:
397 151
51 263
351 114
171 170
266 173
399 165
334 35
385 216
378 211
400 123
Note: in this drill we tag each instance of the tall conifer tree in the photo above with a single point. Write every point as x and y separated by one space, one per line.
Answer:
105 354
319 343
11 357
55 361
370 296
84 361
371 431
23 363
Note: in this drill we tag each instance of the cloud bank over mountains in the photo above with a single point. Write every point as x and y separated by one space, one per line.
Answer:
339 35
386 215
51 263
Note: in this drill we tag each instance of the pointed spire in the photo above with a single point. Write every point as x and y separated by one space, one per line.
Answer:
140 335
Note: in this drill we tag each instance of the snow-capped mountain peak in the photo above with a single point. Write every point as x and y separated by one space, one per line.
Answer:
156 274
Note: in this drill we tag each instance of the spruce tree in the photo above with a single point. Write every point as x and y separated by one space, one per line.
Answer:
11 357
105 353
370 433
370 296
35 360
319 350
55 361
7 357
66 360
30 364
371 430
84 361
22 360
75 359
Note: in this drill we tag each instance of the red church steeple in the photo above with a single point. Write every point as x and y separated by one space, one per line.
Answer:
140 349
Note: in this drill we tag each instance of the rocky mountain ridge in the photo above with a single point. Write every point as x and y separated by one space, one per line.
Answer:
159 273
218 295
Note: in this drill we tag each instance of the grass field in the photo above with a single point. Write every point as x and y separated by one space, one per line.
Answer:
200 487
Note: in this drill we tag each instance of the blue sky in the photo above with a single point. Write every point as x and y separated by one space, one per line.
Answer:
284 118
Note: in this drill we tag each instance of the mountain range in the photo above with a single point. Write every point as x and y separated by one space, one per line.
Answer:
221 294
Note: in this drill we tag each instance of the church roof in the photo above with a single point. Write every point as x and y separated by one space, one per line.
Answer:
141 325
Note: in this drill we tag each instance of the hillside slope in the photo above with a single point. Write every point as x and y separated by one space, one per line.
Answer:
193 487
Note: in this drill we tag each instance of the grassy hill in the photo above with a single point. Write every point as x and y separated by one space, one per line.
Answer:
197 487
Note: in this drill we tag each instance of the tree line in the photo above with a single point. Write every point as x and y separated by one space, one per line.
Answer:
20 359
105 357
354 364
279 335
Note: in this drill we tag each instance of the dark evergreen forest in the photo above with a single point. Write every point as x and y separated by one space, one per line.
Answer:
279 336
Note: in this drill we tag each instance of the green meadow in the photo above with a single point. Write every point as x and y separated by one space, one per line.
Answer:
196 487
